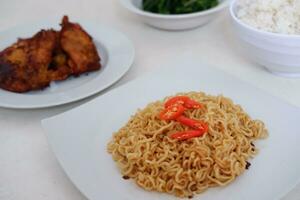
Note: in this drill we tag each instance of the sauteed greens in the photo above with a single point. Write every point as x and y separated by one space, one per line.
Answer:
178 6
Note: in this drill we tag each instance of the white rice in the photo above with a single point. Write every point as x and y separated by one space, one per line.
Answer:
278 16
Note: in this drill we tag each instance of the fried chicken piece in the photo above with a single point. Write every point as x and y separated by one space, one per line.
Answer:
79 47
49 55
24 65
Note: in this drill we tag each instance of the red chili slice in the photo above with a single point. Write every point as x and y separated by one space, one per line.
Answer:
172 112
183 100
191 104
195 124
176 100
183 135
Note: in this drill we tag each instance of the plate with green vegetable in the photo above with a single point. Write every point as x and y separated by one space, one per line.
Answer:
175 14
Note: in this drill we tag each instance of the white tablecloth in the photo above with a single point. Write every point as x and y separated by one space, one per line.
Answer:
28 168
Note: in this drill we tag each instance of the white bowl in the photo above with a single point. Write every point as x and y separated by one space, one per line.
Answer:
174 22
279 53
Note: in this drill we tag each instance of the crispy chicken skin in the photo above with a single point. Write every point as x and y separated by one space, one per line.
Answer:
24 65
58 68
79 47
50 55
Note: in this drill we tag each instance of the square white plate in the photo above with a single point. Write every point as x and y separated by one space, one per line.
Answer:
79 137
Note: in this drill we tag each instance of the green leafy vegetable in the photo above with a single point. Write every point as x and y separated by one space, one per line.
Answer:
178 6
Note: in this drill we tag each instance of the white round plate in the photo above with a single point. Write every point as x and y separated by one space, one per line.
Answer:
116 52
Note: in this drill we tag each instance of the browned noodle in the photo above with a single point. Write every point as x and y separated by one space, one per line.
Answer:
144 152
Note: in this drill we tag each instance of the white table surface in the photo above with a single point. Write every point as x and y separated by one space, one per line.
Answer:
28 168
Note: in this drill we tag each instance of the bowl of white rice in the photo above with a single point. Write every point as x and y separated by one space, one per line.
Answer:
269 33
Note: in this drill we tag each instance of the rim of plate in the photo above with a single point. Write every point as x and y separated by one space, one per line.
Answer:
90 87
129 5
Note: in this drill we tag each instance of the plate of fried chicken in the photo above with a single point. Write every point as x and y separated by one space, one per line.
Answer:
48 64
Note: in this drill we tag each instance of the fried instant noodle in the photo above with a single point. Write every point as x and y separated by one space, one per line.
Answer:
145 153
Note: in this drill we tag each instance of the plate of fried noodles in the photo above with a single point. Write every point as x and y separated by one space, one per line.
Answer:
194 133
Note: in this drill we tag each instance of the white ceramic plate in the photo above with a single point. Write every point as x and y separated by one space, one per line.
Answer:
116 51
79 137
